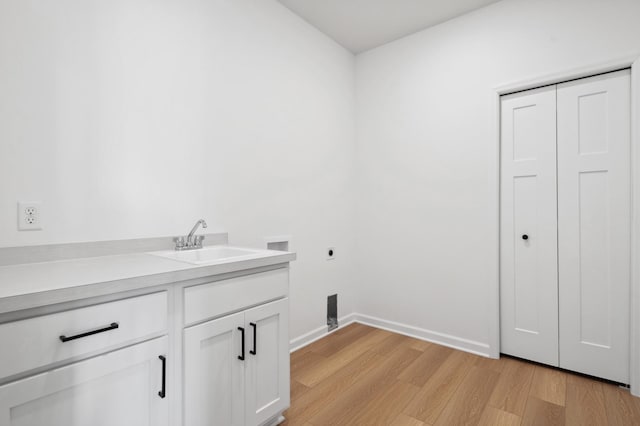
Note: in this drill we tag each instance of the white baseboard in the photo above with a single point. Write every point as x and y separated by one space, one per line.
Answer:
443 339
320 332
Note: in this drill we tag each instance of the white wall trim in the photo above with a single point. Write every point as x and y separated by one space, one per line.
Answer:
493 292
570 74
443 339
493 302
634 330
318 333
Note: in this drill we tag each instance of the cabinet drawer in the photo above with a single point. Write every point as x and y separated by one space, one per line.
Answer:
212 300
36 342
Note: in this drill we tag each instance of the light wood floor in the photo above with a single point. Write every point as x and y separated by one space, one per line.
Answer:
365 376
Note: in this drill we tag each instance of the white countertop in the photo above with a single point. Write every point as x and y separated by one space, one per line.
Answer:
30 285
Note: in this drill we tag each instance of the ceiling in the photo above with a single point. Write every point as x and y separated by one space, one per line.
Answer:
360 25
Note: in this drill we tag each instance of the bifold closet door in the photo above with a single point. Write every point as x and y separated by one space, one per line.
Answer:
528 234
594 219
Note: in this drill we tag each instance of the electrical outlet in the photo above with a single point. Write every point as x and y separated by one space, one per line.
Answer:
331 253
29 216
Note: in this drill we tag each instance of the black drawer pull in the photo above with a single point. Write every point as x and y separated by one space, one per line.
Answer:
255 338
241 357
163 392
113 326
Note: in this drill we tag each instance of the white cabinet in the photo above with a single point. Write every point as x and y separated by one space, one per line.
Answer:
120 388
565 225
130 361
211 300
267 362
236 368
213 374
113 324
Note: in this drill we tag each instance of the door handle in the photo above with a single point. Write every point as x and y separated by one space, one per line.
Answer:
255 338
163 391
241 357
525 237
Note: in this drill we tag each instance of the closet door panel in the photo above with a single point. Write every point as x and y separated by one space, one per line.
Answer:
594 217
528 258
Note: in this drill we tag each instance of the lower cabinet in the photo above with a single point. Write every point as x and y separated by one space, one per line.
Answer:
267 365
236 368
109 364
123 388
213 374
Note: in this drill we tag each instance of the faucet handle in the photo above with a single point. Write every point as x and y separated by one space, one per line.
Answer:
198 240
179 242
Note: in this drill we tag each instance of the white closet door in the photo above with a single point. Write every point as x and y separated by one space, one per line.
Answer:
528 234
594 224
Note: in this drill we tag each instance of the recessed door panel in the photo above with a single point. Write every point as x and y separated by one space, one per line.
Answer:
528 258
594 224
525 265
525 142
592 136
594 284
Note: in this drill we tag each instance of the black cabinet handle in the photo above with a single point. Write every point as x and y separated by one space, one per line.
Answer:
255 338
241 357
525 237
163 392
113 326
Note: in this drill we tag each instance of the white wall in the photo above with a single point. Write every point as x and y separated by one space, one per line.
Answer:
132 119
427 155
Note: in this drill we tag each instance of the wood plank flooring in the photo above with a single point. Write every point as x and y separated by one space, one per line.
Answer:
361 375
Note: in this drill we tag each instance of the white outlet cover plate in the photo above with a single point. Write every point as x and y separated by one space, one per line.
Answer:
29 216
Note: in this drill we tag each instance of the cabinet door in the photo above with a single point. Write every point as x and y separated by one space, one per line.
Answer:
117 389
267 380
528 229
213 373
594 214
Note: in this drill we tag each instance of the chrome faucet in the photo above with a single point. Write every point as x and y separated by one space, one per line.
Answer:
192 241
